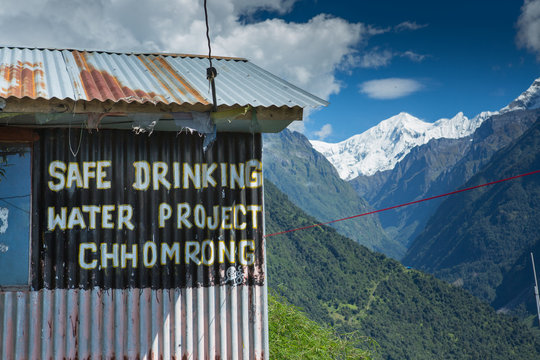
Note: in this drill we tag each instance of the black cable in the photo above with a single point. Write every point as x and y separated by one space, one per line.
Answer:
211 72
208 34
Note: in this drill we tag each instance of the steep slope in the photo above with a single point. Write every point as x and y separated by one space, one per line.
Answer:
410 314
293 336
312 183
476 238
529 99
381 147
435 168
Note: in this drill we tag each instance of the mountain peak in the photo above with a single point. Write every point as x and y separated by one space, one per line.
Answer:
384 145
528 100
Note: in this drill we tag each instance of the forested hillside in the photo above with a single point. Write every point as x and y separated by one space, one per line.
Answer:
481 240
437 167
313 184
409 313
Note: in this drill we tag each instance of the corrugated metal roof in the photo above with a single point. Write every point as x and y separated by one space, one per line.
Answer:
141 78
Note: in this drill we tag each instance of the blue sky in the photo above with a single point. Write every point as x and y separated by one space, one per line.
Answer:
468 60
370 58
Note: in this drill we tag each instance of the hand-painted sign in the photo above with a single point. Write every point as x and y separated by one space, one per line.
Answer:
136 211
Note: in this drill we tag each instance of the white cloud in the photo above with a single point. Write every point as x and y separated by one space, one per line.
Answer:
391 88
408 25
307 54
411 55
324 132
375 58
528 35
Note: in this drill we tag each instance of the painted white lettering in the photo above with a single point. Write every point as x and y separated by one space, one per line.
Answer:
76 219
246 249
193 248
254 176
92 247
148 260
106 216
142 175
54 172
54 220
223 251
207 178
159 171
125 256
92 210
89 172
254 210
125 213
184 211
101 183
170 251
106 256
74 175
164 213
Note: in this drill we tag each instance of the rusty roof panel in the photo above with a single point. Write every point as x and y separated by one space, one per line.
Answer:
33 74
141 78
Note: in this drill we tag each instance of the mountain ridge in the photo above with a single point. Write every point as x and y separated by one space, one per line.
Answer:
313 184
440 166
480 238
384 145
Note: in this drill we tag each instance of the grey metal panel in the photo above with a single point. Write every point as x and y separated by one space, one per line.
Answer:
155 78
222 322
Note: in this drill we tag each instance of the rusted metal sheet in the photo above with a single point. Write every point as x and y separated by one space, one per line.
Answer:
141 78
221 322
34 74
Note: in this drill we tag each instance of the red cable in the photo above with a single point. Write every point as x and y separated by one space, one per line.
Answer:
405 204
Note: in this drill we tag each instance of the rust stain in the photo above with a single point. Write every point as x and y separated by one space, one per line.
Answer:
177 76
27 79
151 71
103 86
21 79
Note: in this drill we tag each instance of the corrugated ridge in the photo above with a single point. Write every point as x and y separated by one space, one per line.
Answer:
196 323
142 78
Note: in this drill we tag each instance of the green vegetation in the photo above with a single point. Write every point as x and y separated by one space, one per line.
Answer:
482 239
313 184
294 336
440 166
411 315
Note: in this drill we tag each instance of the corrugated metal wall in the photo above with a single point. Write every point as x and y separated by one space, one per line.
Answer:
169 310
217 322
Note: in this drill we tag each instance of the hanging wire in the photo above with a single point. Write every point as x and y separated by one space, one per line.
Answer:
211 72
208 34
76 152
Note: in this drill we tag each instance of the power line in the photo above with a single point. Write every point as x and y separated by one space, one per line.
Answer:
405 204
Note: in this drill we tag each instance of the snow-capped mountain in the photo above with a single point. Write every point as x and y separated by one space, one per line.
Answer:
530 99
382 146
